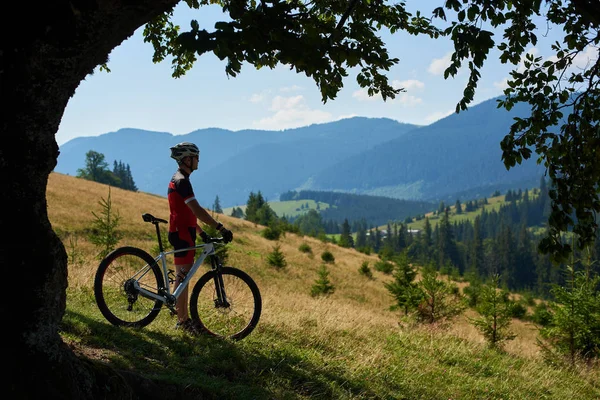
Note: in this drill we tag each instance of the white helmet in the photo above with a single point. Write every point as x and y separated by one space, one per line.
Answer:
184 149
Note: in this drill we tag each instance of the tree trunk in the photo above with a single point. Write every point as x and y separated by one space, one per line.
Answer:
54 47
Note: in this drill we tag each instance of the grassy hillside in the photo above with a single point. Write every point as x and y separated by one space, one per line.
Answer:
494 204
345 346
292 208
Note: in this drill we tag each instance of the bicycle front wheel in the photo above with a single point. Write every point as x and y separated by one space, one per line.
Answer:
116 287
235 316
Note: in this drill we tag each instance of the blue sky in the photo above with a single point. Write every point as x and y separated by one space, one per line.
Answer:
140 94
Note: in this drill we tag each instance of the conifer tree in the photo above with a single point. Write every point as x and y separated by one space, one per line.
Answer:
476 259
104 232
495 315
122 173
217 205
237 212
405 291
446 245
439 299
255 201
361 236
276 258
575 328
346 239
322 285
428 233
365 270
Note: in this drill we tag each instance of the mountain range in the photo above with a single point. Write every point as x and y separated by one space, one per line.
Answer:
456 157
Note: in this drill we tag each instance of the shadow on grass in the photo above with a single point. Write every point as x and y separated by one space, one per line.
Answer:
209 367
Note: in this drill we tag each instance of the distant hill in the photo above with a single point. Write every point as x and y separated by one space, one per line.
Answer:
232 164
458 157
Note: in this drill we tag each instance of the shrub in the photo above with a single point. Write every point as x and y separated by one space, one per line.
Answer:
365 270
305 248
384 266
276 258
365 250
323 285
542 315
271 233
529 299
327 257
473 293
518 310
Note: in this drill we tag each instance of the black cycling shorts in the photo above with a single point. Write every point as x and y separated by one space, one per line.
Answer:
181 242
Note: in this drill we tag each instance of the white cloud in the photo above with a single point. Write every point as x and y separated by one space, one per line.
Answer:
503 84
407 100
362 95
436 116
402 98
586 58
281 103
438 65
293 88
257 98
291 112
408 84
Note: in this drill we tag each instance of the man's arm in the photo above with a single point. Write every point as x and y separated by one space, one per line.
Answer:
202 214
205 217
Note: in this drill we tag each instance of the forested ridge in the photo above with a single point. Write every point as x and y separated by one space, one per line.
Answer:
503 241
376 210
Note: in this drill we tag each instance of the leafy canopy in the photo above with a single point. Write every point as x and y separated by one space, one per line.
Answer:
564 98
323 39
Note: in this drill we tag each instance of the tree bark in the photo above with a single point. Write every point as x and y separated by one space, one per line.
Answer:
54 47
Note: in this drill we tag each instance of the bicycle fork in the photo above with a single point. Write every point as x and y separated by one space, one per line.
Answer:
221 299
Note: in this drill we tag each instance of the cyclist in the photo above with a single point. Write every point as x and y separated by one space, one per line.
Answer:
184 213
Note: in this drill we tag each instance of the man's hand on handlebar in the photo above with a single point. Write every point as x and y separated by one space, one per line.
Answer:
204 236
227 235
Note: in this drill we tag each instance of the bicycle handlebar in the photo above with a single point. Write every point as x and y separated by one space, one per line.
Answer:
215 240
152 219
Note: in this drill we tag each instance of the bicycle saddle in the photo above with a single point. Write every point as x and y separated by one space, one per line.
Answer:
151 218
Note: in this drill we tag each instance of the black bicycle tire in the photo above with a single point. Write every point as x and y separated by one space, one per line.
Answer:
99 284
256 296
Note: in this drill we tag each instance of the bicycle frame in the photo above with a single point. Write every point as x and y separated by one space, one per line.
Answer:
208 249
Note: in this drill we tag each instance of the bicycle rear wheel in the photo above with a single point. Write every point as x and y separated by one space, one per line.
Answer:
116 284
238 317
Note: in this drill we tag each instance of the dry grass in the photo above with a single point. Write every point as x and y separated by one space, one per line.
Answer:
348 345
358 303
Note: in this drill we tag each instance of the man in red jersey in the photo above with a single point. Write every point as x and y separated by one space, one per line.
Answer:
184 213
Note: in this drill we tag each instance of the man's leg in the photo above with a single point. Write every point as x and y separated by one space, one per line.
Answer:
182 301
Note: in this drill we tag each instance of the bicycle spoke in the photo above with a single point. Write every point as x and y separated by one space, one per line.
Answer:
235 319
117 285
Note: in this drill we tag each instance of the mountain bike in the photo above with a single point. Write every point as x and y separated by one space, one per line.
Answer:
131 287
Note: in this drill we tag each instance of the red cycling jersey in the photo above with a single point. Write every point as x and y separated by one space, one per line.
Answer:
179 194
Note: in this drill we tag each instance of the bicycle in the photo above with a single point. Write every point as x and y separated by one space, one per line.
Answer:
131 287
